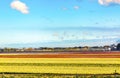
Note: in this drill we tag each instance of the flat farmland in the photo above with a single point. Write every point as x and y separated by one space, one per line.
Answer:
61 63
61 55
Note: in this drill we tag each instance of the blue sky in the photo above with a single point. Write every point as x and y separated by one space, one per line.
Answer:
57 22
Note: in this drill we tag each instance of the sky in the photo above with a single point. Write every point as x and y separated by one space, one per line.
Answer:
54 23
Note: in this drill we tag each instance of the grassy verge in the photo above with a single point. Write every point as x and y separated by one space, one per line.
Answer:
54 75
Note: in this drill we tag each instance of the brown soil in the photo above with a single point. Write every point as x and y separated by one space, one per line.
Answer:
64 55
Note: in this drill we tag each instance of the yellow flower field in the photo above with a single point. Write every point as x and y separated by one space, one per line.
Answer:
61 65
61 60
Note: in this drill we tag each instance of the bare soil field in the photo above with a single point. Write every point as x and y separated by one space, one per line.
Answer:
62 55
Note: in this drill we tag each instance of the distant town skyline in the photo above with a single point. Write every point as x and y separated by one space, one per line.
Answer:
59 22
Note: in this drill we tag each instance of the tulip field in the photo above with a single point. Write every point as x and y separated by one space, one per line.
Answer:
61 65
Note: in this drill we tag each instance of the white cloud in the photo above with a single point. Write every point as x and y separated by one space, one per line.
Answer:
108 2
20 6
76 7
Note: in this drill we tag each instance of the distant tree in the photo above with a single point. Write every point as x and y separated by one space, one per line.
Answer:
118 46
79 47
113 47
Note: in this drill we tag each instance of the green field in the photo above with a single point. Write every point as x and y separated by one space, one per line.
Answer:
61 65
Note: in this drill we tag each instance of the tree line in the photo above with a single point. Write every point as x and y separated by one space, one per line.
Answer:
112 47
